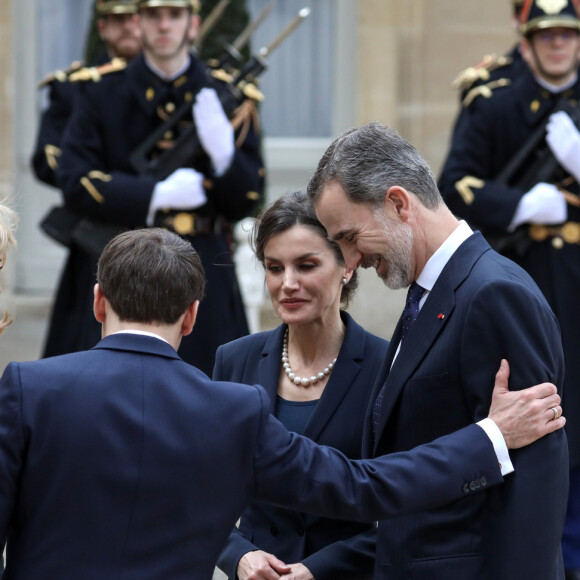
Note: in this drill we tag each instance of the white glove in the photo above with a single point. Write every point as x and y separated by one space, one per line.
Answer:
183 189
214 130
563 138
543 204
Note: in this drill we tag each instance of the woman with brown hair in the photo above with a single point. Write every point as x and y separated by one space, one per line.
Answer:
318 367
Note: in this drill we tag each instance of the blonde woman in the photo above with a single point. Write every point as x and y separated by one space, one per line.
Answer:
8 221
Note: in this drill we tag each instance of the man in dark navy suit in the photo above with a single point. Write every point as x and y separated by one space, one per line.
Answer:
467 308
126 462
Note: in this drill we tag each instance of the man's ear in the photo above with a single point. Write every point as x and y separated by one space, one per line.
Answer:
397 202
194 27
99 309
189 318
101 28
526 52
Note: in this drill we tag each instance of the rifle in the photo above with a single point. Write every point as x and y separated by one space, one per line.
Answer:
187 148
533 163
209 22
233 56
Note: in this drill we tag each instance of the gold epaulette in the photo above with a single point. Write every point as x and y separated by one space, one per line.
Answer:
221 75
480 72
95 73
60 75
484 90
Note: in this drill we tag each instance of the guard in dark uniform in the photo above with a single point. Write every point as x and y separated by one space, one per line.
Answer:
493 70
116 112
118 28
513 171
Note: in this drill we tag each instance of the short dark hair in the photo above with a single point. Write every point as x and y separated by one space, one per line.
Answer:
368 161
294 209
150 275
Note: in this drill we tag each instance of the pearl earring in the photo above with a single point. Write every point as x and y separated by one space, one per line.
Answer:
344 280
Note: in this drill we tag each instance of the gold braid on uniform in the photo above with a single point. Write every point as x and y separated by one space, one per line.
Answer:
244 116
484 91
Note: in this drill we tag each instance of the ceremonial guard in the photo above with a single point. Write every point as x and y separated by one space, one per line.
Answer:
109 146
513 171
493 70
118 29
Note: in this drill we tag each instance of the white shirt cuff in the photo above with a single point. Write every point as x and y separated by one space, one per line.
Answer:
499 446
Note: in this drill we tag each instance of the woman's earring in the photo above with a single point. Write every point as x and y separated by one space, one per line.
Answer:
344 280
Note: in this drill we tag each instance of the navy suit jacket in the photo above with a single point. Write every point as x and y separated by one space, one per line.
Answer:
126 462
328 548
482 308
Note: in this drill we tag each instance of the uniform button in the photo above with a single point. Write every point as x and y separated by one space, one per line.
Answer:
170 107
274 530
466 488
557 243
473 486
300 531
483 482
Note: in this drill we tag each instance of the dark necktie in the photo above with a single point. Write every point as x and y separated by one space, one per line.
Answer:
408 316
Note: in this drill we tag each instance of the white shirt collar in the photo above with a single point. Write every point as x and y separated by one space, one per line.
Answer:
142 332
439 259
554 89
171 77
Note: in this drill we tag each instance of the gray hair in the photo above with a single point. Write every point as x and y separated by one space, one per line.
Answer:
367 161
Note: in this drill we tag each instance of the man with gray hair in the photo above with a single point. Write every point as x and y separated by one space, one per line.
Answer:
467 308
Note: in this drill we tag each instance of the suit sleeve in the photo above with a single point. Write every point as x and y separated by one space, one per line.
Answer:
294 472
12 445
90 187
351 558
237 193
526 516
53 122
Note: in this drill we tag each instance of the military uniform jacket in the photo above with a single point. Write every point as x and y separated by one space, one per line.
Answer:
117 114
53 123
111 118
492 131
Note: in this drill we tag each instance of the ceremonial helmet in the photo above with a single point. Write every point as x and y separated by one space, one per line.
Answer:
193 5
104 7
540 14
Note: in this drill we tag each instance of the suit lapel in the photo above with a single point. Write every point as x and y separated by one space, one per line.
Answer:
368 435
341 379
269 364
432 319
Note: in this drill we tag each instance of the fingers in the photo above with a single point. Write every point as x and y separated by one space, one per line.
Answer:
502 376
259 565
553 413
555 424
546 391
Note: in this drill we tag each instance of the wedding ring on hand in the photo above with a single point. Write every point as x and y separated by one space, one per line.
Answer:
556 412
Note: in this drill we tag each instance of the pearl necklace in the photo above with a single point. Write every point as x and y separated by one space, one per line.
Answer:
305 382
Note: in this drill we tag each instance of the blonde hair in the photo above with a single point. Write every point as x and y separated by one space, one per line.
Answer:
8 222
